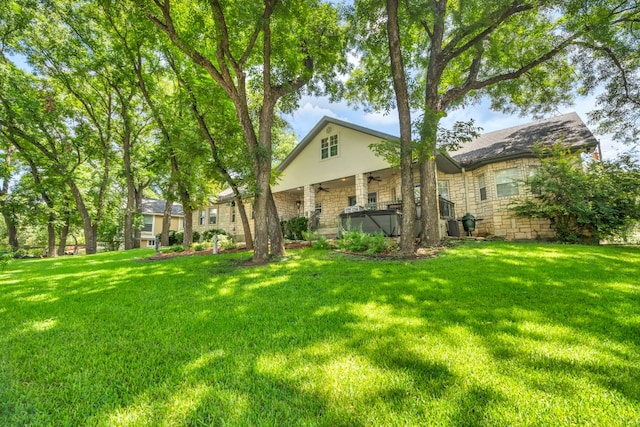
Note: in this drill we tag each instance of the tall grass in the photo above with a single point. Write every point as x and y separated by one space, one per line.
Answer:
484 334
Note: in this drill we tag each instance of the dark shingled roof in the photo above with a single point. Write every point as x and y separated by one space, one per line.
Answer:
518 141
153 206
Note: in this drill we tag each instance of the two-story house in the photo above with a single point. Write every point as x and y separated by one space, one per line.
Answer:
333 172
152 214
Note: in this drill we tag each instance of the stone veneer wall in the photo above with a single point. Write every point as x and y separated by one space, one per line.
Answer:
495 217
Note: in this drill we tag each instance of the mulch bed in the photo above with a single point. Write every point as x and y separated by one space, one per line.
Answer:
421 253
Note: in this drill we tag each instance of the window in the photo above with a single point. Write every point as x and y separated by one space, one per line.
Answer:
416 192
148 224
318 208
372 200
213 216
201 220
443 189
482 186
329 147
507 182
233 213
351 201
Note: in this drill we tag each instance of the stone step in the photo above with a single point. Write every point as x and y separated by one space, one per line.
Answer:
328 232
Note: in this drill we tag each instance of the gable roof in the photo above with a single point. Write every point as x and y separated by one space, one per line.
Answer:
444 161
153 206
519 141
321 125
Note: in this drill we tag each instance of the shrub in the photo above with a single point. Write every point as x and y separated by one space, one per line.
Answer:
207 235
321 243
196 237
5 259
293 228
310 236
200 246
377 244
226 242
359 241
583 202
177 248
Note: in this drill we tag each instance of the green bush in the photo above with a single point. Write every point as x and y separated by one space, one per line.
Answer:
583 202
5 259
359 241
310 236
207 235
177 248
294 228
321 243
226 242
196 237
200 246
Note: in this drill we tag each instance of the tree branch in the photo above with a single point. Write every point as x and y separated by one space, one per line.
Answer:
473 84
450 51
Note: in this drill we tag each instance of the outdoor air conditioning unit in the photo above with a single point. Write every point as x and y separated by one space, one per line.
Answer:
355 208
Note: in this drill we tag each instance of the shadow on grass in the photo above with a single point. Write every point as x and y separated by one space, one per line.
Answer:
479 335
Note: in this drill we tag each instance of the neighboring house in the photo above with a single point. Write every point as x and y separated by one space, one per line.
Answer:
152 214
332 172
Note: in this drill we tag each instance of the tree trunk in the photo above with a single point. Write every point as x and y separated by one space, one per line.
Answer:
429 209
137 232
166 222
407 233
245 223
12 231
275 231
131 196
188 227
51 235
89 228
64 231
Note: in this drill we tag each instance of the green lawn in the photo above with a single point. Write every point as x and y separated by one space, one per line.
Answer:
493 334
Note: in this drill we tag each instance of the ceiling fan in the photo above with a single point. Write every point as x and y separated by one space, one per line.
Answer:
371 178
321 188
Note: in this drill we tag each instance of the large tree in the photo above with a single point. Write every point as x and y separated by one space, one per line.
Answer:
516 52
266 50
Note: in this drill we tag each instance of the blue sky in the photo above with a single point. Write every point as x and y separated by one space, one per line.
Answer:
312 109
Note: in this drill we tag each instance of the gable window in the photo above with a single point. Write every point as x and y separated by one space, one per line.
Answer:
443 189
482 186
202 216
213 216
148 224
329 147
507 182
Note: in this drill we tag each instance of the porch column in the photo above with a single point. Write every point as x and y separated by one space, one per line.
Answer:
362 190
309 205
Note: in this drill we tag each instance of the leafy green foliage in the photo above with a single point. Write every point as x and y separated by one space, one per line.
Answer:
359 241
207 235
321 243
583 202
294 228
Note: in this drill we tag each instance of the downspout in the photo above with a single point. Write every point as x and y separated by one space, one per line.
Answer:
466 191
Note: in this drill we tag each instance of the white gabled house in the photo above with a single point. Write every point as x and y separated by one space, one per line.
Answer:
333 174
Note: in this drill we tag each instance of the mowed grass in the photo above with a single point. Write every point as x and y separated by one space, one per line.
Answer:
498 334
